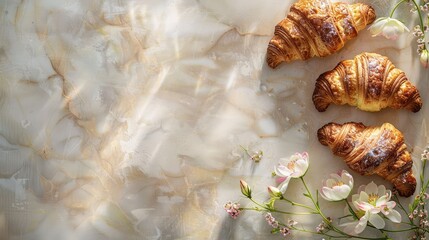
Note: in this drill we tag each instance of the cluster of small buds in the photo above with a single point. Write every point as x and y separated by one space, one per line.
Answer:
419 34
417 237
233 209
285 231
257 156
425 7
292 223
425 154
422 214
424 223
413 7
322 227
271 220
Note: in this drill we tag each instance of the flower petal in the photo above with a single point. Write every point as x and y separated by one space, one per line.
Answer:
390 32
377 221
336 177
364 206
342 191
361 224
350 227
300 168
330 183
381 201
394 216
381 190
363 196
282 171
391 204
371 188
377 27
283 186
346 178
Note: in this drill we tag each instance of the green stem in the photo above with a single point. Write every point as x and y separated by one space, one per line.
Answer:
401 230
396 6
293 213
423 177
277 211
351 209
246 151
258 204
298 204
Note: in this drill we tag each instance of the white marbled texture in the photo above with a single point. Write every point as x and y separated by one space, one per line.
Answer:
123 119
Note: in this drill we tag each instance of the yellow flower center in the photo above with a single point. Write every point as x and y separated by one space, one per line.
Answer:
372 198
337 184
291 165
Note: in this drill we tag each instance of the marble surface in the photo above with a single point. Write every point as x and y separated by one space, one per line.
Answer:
123 119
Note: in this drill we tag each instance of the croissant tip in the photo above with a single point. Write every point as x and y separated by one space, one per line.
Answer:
274 57
272 62
405 184
371 14
323 135
416 105
318 105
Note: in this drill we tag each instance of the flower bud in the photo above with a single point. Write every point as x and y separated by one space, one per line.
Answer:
424 58
274 192
245 189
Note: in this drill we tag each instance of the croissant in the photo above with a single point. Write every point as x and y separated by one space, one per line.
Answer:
370 82
372 150
316 28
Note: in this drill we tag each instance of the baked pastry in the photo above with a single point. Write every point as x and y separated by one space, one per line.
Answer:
372 150
316 28
370 82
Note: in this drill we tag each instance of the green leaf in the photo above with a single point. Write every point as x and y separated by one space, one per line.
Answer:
270 204
275 230
306 195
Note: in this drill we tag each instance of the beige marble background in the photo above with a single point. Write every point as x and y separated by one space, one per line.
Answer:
123 119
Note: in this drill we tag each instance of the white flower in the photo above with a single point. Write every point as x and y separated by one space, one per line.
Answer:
388 27
294 167
369 202
424 58
338 187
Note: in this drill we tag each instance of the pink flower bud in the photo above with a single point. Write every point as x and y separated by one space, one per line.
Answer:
245 189
274 192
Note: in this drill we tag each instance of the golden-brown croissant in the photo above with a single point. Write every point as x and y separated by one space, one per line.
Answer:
372 150
316 28
370 82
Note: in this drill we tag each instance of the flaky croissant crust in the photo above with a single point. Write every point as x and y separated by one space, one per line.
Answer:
370 82
316 28
372 150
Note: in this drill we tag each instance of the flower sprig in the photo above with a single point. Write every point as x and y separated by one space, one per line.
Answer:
391 27
370 207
